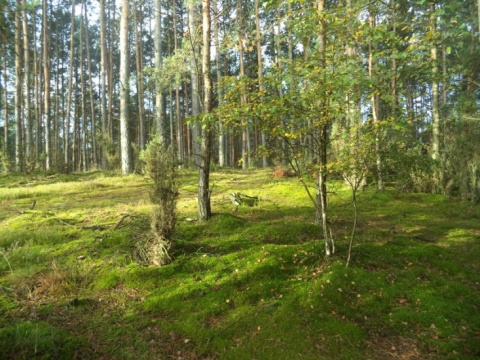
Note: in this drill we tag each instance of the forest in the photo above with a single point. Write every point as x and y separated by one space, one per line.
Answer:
239 179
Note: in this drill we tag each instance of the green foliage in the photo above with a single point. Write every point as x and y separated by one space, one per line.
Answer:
461 161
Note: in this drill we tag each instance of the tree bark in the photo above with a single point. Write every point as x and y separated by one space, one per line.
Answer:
26 97
158 64
321 183
5 90
19 166
180 140
435 86
83 157
243 99
221 130
66 135
260 74
124 89
90 91
139 65
204 170
46 95
196 104
374 98
103 81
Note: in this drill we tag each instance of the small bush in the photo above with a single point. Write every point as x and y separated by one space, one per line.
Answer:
161 168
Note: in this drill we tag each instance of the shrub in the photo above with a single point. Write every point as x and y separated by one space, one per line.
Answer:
162 170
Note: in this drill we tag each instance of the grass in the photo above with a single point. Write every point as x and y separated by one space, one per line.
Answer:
250 283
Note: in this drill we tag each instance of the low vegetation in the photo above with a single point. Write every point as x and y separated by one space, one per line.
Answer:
250 283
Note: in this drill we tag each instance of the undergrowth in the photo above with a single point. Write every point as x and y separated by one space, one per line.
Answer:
250 283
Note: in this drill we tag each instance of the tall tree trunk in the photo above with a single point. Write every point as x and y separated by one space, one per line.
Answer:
37 86
394 59
435 86
103 83
26 97
478 14
196 105
110 88
374 97
124 89
180 141
204 170
139 65
46 95
66 136
260 74
56 119
83 158
221 130
321 183
5 93
90 91
160 122
243 99
18 90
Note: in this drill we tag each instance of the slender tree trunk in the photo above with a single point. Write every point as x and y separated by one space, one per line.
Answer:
5 93
394 59
83 158
204 169
221 131
375 106
26 97
124 89
103 81
90 90
56 136
18 90
478 14
46 95
66 136
139 64
321 184
243 100
180 141
196 105
260 75
37 91
435 86
158 64
110 88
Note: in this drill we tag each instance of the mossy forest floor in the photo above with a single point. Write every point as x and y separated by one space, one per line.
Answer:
251 283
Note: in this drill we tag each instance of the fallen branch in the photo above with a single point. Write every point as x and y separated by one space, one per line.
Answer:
64 222
121 221
95 227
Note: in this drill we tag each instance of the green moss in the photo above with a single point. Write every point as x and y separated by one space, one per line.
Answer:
250 283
